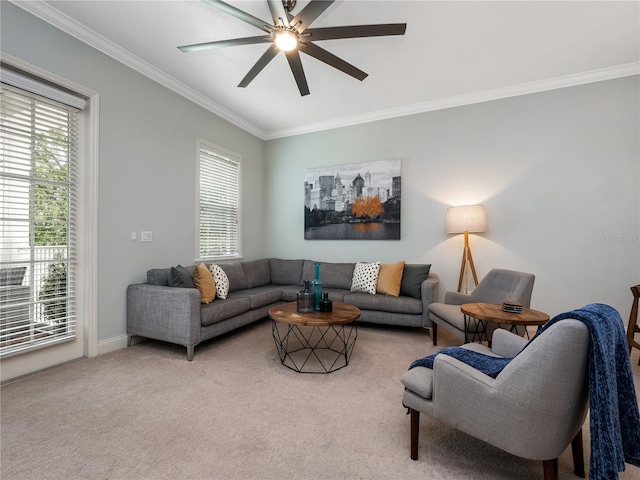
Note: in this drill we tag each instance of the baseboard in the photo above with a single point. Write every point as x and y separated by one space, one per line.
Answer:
112 344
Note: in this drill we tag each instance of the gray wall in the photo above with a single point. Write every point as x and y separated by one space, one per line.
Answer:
557 171
147 166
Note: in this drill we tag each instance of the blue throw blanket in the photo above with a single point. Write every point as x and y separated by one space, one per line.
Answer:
614 419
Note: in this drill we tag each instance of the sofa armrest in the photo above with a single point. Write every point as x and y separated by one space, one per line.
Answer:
428 295
169 314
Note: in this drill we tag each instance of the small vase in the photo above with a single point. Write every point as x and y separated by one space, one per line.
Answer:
316 289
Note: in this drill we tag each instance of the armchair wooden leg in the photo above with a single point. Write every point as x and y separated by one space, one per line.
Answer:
550 469
578 454
415 428
434 333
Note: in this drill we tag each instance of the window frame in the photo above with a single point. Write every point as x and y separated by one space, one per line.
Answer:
16 366
230 156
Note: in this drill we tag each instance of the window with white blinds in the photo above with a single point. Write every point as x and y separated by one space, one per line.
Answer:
38 185
218 202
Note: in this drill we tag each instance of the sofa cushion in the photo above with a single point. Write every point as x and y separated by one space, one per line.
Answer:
235 274
257 273
385 303
221 281
158 276
412 278
365 277
286 272
203 280
389 278
260 296
332 275
180 277
220 310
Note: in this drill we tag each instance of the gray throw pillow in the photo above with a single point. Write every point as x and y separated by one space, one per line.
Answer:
179 277
412 278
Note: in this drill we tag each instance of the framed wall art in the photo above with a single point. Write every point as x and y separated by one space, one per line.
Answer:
360 201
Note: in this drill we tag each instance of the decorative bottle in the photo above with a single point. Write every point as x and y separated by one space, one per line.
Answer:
326 305
305 299
316 289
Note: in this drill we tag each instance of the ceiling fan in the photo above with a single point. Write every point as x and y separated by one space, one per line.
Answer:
292 35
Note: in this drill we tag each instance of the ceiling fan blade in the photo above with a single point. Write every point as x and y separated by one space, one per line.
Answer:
260 64
355 31
278 12
240 15
336 62
296 68
225 43
309 13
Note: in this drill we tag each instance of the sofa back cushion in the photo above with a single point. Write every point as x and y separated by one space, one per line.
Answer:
257 273
332 275
286 272
235 274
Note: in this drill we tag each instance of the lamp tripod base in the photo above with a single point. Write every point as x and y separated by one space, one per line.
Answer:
467 260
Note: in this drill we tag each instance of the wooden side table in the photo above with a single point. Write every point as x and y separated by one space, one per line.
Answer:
492 312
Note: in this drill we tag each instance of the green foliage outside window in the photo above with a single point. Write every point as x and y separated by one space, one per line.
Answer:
51 211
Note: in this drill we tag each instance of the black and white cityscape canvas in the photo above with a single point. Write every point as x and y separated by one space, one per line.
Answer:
353 202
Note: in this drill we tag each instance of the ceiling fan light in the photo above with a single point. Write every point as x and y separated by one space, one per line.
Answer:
286 41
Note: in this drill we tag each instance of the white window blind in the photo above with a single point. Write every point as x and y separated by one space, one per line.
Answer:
38 182
219 202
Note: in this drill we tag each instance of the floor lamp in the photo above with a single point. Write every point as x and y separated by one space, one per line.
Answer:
465 219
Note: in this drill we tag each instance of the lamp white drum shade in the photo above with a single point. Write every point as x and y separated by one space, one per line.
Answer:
466 218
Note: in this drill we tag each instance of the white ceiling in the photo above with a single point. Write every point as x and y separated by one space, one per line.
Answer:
453 52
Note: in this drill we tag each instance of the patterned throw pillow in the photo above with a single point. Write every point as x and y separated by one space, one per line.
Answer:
203 280
221 280
365 277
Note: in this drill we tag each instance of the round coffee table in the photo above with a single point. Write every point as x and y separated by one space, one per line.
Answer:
315 342
492 312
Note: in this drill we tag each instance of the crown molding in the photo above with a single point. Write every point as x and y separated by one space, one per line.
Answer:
63 22
573 80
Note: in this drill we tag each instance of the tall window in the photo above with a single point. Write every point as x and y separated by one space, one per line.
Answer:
38 179
218 202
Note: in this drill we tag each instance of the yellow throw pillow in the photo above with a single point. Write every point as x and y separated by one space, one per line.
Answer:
389 278
203 281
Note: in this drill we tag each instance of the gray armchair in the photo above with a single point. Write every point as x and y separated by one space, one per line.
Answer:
497 286
533 409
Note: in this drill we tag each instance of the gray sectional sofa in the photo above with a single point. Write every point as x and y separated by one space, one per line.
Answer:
172 314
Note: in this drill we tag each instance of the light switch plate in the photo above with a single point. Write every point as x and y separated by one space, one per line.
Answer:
146 237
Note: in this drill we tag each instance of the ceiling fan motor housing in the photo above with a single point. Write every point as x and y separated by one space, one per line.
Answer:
289 5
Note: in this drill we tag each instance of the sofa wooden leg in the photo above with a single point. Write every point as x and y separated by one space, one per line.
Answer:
434 333
415 429
190 350
578 454
550 469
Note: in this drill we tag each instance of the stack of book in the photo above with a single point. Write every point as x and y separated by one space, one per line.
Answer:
512 307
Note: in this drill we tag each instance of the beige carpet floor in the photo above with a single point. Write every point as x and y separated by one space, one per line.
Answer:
236 413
